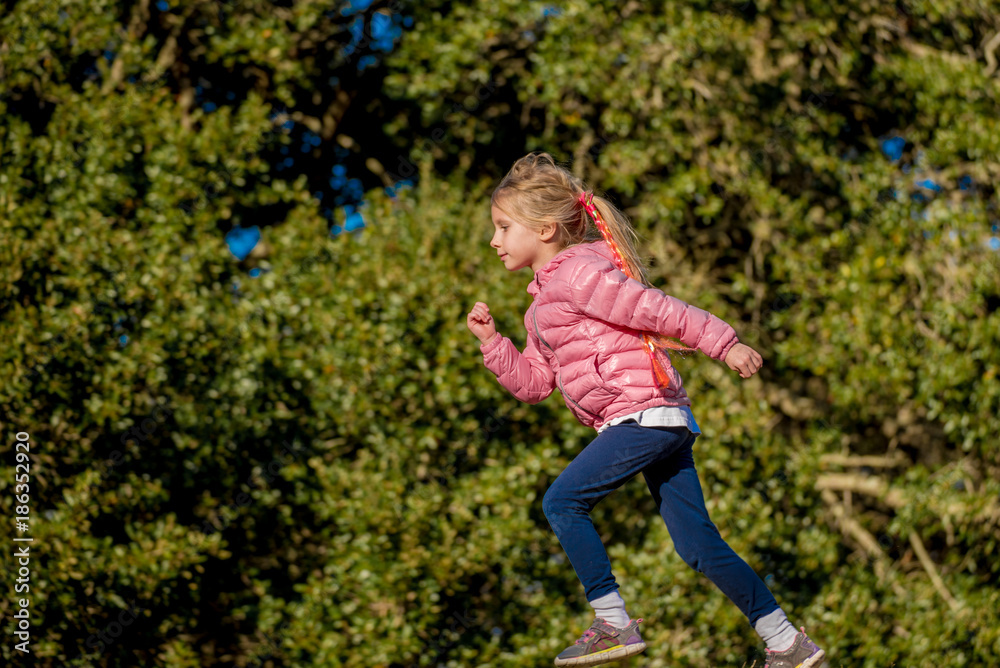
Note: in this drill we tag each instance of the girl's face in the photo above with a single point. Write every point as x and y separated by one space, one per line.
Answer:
519 246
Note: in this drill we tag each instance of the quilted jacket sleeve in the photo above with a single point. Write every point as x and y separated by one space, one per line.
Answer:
597 288
525 375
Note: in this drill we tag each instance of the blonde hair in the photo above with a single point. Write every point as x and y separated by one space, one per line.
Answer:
537 192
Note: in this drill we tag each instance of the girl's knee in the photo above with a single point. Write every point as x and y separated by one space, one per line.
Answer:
553 505
690 555
560 502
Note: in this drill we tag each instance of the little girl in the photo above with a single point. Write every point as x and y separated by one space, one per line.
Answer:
596 330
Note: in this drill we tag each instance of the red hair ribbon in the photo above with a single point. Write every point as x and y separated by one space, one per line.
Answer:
653 343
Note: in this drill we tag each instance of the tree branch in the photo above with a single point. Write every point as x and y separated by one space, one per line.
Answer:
988 49
873 461
851 528
847 482
925 561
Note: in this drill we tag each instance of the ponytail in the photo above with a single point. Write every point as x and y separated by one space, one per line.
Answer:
618 233
621 238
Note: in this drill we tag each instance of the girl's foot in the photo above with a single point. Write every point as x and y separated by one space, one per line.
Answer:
603 643
802 654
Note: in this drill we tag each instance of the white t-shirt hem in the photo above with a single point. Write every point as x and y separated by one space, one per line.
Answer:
659 416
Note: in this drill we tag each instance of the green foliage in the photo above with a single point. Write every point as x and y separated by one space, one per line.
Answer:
312 467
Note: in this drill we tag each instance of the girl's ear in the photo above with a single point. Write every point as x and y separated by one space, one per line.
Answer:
547 233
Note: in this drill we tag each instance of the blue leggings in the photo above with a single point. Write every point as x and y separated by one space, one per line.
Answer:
663 455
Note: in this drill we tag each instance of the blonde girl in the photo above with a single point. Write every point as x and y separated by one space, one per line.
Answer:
596 331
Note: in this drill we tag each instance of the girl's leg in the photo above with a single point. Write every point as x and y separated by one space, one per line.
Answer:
611 459
673 482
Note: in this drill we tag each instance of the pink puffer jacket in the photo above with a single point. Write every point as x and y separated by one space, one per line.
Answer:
584 337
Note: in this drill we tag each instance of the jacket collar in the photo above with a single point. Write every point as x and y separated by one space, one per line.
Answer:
543 275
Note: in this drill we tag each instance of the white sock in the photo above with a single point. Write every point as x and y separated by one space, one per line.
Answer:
611 608
776 631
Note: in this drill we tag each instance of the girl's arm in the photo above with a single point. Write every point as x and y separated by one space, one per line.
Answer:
598 289
525 375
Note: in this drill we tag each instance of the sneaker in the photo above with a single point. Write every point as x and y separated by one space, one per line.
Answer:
603 643
802 654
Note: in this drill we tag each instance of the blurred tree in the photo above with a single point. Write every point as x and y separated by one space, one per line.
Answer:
318 67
